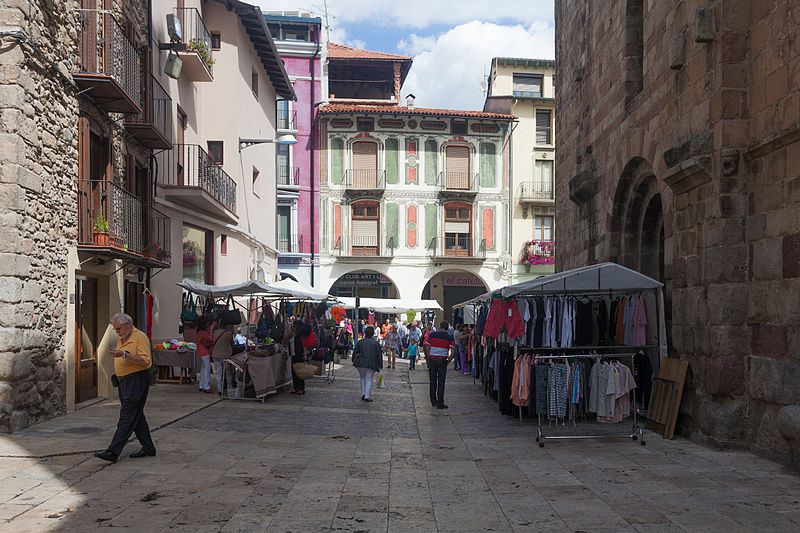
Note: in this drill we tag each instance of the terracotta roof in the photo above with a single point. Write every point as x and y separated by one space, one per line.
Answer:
401 110
340 51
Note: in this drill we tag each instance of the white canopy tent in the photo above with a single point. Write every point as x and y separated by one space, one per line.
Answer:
285 288
390 305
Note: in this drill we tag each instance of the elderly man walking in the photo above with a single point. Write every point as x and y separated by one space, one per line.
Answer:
131 363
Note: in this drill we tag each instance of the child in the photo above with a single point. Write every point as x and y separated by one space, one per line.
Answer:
412 354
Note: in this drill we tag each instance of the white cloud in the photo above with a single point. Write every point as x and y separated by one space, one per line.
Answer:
448 70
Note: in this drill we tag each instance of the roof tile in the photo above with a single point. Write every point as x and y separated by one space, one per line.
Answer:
401 110
340 51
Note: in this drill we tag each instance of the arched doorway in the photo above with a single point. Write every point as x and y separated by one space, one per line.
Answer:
365 284
452 287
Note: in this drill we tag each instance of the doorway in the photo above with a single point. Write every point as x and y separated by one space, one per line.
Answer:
86 338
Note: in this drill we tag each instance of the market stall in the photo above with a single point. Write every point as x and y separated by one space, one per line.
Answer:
393 306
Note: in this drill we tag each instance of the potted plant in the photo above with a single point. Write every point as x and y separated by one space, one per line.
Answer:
117 241
198 46
537 253
100 230
156 251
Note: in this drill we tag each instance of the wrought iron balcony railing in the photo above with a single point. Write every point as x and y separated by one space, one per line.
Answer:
457 246
536 190
159 243
364 246
290 243
458 181
109 217
287 120
153 125
288 177
108 64
189 166
198 41
364 179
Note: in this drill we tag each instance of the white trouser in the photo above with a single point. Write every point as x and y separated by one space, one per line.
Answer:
229 375
366 381
204 381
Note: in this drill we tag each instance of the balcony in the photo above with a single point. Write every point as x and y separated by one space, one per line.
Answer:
458 184
363 249
152 127
191 178
288 178
198 59
287 121
536 192
108 66
362 183
457 249
157 250
290 243
110 220
537 253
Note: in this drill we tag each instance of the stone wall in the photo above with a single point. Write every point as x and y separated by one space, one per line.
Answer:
706 152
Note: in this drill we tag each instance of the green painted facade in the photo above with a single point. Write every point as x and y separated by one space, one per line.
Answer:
337 160
430 162
431 213
392 149
392 225
488 165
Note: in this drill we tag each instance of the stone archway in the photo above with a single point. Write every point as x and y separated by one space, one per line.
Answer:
637 227
451 287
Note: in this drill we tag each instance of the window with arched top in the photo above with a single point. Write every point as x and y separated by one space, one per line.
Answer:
457 229
456 168
365 165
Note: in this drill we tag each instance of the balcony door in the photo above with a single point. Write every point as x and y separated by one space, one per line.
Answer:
457 230
365 228
365 165
456 165
86 338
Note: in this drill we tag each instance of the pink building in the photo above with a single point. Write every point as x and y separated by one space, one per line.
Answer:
298 39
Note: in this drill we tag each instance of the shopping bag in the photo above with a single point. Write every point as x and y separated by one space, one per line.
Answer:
380 382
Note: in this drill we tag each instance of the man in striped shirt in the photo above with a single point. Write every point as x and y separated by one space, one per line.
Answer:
440 351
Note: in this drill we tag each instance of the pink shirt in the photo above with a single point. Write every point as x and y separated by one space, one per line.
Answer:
203 343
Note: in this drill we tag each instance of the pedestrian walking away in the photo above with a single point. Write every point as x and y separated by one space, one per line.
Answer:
222 349
412 355
440 351
297 352
368 359
132 360
391 343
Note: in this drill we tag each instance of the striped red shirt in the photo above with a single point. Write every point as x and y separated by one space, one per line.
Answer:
440 343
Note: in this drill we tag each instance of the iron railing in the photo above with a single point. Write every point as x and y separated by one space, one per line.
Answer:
288 176
543 135
364 179
159 244
541 248
105 49
364 246
287 120
457 246
156 108
536 190
196 35
109 217
290 243
450 180
188 165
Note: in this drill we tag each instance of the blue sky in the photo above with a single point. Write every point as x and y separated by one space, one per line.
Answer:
451 42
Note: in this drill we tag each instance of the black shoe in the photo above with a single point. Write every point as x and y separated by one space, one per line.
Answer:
111 457
434 404
143 453
368 399
442 406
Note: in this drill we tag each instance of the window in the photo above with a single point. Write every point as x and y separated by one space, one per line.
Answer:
275 30
543 228
457 230
215 40
285 237
284 171
543 180
543 126
198 259
215 151
529 85
254 83
366 124
223 244
459 127
365 228
365 165
634 48
284 122
294 32
256 182
456 165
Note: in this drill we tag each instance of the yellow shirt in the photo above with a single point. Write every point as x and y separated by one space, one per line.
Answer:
138 344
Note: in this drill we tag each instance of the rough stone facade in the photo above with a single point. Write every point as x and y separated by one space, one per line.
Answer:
678 156
39 112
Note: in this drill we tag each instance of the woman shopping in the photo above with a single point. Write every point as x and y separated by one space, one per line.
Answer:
222 349
298 354
368 359
204 344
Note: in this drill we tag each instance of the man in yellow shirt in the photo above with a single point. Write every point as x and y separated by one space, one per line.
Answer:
132 360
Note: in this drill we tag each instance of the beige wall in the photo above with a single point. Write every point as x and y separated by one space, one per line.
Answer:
502 79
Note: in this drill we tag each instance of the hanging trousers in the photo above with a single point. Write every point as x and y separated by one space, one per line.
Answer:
133 390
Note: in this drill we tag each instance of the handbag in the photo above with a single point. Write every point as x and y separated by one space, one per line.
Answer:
230 316
189 313
309 341
319 354
304 370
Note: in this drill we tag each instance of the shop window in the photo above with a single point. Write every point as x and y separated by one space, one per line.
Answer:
198 256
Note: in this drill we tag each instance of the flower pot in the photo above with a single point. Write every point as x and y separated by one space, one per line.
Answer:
100 238
527 267
116 242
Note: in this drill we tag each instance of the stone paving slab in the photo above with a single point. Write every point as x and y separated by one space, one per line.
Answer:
327 461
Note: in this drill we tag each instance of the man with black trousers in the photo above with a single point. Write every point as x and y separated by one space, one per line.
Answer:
132 362
439 351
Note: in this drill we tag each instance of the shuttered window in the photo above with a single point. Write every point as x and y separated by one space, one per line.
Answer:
529 85
456 227
365 165
365 229
543 126
457 167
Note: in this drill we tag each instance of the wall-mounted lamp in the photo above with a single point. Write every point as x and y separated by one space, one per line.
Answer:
283 139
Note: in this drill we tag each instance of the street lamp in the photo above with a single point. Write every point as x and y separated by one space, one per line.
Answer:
283 139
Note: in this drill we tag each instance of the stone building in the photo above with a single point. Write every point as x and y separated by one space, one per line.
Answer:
678 156
414 201
525 88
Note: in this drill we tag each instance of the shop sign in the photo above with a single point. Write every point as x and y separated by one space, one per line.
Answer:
363 279
461 281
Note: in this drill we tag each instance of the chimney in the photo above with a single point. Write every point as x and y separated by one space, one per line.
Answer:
410 101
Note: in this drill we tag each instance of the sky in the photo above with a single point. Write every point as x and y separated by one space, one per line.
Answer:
451 42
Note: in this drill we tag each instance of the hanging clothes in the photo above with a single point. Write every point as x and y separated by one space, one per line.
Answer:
619 321
504 315
639 320
541 377
631 303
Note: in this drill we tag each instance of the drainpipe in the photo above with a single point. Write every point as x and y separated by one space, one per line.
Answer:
313 154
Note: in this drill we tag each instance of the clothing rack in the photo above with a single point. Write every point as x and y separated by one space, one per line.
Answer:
636 432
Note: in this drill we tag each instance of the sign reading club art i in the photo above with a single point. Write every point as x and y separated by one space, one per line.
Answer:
465 280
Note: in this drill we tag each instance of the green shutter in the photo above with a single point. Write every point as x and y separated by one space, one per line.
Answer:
488 165
430 223
392 225
391 161
430 162
337 160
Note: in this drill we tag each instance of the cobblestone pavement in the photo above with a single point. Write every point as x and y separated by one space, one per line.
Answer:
327 461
